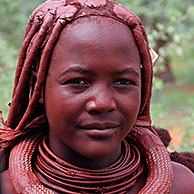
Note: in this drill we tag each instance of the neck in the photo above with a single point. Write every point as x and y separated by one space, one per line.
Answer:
66 153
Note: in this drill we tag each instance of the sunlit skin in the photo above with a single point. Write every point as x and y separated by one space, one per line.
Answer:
92 92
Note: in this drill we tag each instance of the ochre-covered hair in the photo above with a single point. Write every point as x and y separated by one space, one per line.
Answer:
42 32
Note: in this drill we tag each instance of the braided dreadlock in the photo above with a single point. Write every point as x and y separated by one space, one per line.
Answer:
42 32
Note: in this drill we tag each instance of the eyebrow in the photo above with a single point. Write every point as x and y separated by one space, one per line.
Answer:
86 71
75 69
128 70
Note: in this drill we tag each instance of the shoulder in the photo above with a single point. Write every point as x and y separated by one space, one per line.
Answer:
5 184
183 179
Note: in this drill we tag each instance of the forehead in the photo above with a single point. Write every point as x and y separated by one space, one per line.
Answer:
98 28
98 37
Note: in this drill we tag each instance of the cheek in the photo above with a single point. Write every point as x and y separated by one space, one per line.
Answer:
61 107
130 108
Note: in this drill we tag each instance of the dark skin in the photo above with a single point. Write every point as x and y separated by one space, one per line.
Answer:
88 106
91 108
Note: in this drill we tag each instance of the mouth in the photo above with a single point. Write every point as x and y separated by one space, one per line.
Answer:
100 130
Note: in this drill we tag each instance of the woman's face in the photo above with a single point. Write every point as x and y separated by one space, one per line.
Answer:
93 88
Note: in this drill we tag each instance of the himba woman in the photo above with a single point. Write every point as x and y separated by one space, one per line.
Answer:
79 119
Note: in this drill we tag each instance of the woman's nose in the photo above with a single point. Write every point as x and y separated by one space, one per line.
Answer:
102 102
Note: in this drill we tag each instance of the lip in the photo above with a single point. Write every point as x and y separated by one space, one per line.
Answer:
99 125
103 130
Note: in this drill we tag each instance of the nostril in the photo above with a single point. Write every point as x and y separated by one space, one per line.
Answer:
111 110
94 112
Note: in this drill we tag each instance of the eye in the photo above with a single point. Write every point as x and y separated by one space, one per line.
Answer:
77 81
124 82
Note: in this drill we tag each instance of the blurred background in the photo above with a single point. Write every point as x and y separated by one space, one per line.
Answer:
170 28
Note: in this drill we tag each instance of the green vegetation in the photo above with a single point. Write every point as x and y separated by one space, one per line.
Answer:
170 28
14 17
173 104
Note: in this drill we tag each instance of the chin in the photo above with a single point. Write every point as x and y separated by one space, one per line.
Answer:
103 152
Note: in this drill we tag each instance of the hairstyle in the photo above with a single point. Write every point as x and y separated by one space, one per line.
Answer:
42 32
